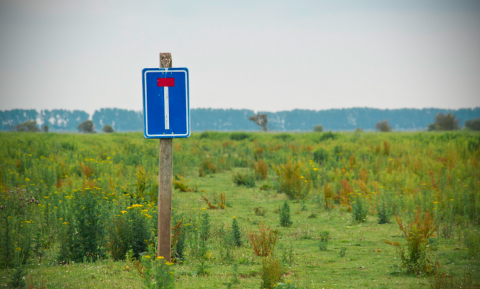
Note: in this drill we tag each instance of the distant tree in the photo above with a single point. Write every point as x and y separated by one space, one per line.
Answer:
318 128
473 124
108 128
28 126
359 129
45 128
86 126
383 126
260 119
444 122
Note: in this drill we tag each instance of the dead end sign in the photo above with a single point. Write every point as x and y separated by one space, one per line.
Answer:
166 107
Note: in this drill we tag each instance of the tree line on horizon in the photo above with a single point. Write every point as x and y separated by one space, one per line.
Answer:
204 119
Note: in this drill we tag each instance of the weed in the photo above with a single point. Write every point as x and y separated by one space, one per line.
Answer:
383 213
442 280
291 182
323 240
285 216
320 155
261 170
17 278
207 167
343 252
287 255
259 211
247 179
359 209
178 242
158 273
472 242
415 257
264 241
271 272
210 205
237 235
238 136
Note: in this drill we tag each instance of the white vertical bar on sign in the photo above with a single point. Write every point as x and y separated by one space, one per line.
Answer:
167 108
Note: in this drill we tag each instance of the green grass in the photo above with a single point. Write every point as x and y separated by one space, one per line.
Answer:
368 262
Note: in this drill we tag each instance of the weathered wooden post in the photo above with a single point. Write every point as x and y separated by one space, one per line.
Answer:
165 173
166 111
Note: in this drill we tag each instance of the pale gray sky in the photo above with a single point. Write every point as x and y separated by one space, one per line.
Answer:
261 55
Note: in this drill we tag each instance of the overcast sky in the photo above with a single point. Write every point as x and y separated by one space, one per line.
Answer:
261 55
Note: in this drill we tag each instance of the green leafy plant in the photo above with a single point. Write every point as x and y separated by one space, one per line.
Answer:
359 209
343 252
383 213
237 235
157 273
287 255
323 240
285 216
472 242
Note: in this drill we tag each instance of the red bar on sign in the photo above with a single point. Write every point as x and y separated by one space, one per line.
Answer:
166 81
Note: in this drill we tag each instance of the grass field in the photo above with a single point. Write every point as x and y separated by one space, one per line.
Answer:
79 210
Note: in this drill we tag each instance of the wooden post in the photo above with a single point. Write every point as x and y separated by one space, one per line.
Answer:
165 185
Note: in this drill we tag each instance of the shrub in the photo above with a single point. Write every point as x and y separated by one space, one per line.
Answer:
383 126
247 179
473 124
237 235
258 153
264 241
45 128
327 135
128 231
207 167
444 122
238 136
108 128
285 216
320 155
291 182
86 126
88 226
271 272
261 169
28 126
415 254
318 128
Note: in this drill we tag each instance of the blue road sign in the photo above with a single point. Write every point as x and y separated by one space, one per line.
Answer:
166 106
